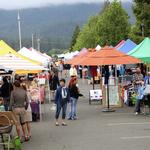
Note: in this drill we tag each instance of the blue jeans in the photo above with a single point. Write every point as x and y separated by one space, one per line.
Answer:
73 108
6 103
58 110
138 106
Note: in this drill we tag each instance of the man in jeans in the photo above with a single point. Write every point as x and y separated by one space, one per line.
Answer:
18 104
61 99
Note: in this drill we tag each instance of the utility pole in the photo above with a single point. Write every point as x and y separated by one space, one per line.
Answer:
38 44
32 40
19 30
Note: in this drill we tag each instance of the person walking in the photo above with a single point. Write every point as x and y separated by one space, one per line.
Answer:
74 95
6 89
55 69
137 79
61 68
140 96
18 104
28 114
54 83
73 72
62 97
80 71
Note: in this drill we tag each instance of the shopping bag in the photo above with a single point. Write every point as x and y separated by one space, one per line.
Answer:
53 108
147 90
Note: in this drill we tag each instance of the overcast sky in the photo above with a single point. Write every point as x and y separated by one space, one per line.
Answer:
16 4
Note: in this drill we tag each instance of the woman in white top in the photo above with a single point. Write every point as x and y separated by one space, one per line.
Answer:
73 71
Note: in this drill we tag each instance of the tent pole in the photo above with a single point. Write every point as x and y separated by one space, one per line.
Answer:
108 104
108 109
93 83
39 99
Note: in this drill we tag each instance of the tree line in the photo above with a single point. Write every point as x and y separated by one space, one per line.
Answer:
112 25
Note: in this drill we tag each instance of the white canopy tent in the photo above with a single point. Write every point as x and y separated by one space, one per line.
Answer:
18 64
98 47
34 55
68 55
47 56
4 70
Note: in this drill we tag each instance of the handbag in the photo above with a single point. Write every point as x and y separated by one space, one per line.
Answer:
147 90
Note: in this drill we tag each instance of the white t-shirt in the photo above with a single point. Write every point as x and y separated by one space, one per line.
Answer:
73 72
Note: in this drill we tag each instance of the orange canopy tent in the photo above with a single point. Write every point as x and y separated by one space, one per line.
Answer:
76 60
108 56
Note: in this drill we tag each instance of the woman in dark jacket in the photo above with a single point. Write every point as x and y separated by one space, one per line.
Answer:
74 95
6 89
54 83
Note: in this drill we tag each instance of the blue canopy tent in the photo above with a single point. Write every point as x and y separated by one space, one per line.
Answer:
127 46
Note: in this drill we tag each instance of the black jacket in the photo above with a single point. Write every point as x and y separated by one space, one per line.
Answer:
74 91
54 82
6 90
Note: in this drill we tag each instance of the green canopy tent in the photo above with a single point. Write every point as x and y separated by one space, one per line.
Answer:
142 51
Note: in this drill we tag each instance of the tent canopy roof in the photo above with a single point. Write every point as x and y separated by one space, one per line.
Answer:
127 46
120 44
142 51
6 49
108 56
76 60
33 54
9 58
18 64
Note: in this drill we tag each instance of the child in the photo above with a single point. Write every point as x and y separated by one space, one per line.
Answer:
140 95
2 108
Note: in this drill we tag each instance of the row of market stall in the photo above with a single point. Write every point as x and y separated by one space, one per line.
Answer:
126 52
23 63
127 47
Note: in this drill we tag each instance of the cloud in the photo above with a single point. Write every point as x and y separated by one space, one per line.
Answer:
18 4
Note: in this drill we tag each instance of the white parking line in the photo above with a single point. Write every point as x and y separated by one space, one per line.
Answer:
128 123
135 137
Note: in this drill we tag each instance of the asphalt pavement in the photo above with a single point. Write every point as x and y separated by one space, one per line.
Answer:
94 129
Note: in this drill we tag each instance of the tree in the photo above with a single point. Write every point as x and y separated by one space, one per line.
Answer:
109 27
87 37
74 37
106 4
113 25
142 27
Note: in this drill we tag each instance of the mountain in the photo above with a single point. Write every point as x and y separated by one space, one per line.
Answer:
53 24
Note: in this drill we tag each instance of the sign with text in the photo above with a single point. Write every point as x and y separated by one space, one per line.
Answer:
95 94
114 99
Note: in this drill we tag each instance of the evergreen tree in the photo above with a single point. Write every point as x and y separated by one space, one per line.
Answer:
106 4
87 37
74 37
109 27
113 25
142 27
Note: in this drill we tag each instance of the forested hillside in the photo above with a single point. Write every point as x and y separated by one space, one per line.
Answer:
53 24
